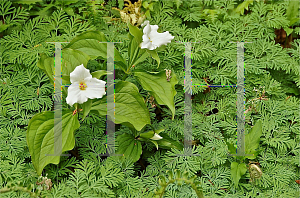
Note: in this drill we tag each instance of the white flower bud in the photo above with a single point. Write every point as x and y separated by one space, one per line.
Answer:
156 137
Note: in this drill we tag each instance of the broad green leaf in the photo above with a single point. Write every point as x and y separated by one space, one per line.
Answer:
142 56
288 30
294 20
133 51
252 140
129 147
168 143
65 78
130 108
71 59
145 4
69 11
40 137
88 42
231 148
147 135
47 65
151 6
147 13
292 12
86 108
119 60
98 74
154 55
237 171
136 32
157 84
241 7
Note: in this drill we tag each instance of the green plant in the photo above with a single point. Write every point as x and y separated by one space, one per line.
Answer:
271 98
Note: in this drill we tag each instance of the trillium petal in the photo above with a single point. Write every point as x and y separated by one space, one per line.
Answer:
152 39
145 23
146 42
159 39
147 29
95 88
154 28
146 38
147 45
75 95
79 74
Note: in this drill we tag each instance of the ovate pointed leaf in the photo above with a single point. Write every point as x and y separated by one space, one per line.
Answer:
154 55
141 57
47 65
162 90
168 143
130 108
119 60
136 32
231 148
133 51
129 146
71 59
40 137
237 171
252 140
88 42
98 74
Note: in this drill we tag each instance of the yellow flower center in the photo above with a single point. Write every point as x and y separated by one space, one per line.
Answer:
82 86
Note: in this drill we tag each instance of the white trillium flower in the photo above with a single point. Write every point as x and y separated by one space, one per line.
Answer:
156 137
84 86
152 39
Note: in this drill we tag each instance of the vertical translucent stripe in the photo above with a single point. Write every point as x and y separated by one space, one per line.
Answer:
110 125
240 100
57 101
188 101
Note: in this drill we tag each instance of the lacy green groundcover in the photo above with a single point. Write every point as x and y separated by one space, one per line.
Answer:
149 98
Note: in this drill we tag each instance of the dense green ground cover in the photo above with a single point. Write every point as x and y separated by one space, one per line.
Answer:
272 82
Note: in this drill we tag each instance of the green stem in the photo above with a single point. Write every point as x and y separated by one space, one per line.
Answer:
76 106
125 76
